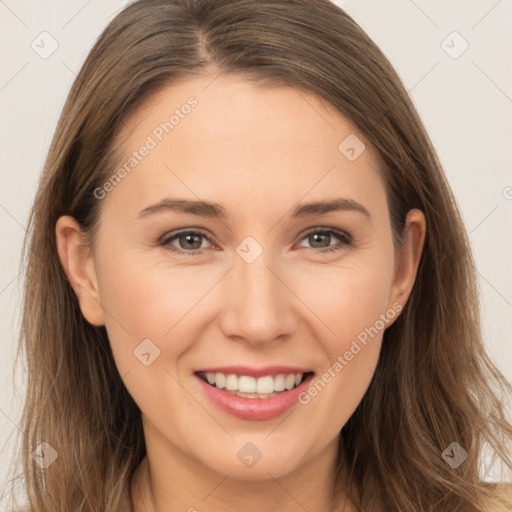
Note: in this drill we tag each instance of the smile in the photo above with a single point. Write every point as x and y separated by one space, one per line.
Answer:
253 394
251 387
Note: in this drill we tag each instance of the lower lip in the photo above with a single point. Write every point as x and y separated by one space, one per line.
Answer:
256 409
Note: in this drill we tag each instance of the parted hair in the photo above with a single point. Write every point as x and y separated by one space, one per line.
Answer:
434 383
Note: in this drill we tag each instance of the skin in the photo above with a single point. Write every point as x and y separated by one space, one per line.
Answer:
258 152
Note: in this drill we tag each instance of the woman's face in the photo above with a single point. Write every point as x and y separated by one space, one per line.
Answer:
262 282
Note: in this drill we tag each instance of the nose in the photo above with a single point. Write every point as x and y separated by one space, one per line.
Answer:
258 305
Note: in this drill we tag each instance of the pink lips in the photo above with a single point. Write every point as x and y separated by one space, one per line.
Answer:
256 409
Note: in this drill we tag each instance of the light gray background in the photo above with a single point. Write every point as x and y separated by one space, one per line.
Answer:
465 103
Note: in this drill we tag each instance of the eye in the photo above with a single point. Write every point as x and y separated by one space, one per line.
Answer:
188 242
191 241
320 239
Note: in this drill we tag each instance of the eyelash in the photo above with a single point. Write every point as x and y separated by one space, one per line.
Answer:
346 241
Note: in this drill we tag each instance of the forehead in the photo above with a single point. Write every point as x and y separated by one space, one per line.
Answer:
230 109
227 138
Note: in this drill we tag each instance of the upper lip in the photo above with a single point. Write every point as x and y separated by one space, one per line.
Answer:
255 372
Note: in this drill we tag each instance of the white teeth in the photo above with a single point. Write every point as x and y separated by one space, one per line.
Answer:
232 382
265 384
220 380
289 382
279 383
252 395
252 387
247 384
247 395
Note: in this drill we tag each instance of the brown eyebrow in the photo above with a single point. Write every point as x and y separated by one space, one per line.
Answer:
216 211
201 208
333 205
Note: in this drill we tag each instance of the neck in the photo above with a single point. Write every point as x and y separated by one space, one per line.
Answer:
181 484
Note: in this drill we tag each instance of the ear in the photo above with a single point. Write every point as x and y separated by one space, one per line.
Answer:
78 265
408 258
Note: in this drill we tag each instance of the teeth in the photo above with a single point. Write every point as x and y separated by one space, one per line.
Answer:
232 382
265 384
247 395
289 382
254 395
219 379
279 383
252 387
247 384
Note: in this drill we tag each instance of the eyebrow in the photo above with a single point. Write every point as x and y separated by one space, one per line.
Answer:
217 211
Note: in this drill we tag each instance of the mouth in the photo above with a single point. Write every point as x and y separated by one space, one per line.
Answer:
250 386
254 394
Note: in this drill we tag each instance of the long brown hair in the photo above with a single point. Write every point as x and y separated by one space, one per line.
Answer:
434 384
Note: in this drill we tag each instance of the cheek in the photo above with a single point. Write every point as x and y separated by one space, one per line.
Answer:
150 325
352 302
349 297
354 307
160 302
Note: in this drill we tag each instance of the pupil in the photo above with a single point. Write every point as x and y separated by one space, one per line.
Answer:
189 237
320 235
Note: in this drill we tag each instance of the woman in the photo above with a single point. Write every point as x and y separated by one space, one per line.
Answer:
189 345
